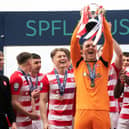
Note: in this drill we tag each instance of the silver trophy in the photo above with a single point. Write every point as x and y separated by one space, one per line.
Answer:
94 23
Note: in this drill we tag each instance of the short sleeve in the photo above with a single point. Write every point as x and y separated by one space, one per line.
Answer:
45 82
15 83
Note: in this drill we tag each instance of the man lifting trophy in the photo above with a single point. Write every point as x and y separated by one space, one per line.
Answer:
91 74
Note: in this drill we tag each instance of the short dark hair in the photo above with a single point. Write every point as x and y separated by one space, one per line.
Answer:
53 52
126 54
35 56
23 57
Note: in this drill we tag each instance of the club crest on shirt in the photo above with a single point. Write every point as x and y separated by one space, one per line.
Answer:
16 86
41 85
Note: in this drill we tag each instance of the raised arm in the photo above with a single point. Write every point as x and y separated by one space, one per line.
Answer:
75 48
108 44
118 52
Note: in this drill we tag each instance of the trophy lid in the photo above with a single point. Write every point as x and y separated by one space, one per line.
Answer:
93 7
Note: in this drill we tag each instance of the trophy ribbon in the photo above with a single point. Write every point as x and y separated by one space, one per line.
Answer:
91 23
95 31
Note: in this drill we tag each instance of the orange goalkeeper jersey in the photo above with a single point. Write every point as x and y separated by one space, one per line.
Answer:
87 97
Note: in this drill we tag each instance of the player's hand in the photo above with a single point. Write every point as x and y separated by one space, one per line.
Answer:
35 93
34 116
45 125
100 11
14 126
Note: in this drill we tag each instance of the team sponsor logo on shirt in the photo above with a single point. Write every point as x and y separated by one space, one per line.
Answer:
16 86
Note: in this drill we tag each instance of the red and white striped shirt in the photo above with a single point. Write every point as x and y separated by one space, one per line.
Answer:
20 87
113 77
60 108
